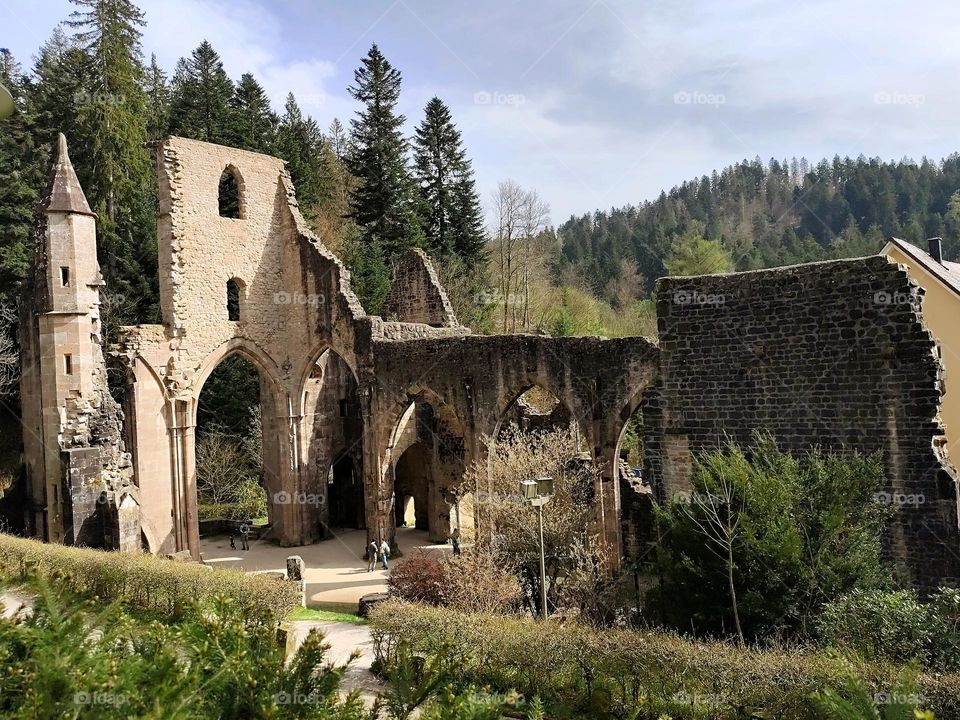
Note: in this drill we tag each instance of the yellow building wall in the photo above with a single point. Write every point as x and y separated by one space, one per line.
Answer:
941 313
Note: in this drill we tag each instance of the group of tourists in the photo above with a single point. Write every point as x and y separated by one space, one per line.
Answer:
376 552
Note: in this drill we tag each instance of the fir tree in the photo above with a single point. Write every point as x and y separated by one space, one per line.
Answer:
338 139
452 219
158 101
202 91
382 204
299 142
254 123
19 182
113 116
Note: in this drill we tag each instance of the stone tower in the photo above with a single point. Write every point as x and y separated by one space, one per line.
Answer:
78 476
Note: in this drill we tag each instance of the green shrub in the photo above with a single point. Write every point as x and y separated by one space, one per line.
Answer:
895 626
83 660
803 531
147 581
621 671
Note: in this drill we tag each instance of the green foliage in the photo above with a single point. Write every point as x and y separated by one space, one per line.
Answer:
201 96
895 626
146 581
585 672
809 531
771 214
692 254
254 123
855 701
369 272
383 202
84 660
450 206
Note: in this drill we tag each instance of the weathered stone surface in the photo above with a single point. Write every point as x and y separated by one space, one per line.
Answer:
363 415
831 355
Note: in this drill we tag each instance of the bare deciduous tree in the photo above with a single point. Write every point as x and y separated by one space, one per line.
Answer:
716 515
521 217
9 351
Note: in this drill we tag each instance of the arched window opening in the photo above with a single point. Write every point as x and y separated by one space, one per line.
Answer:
233 299
228 194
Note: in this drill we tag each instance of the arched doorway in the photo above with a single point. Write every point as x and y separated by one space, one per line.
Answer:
229 444
412 485
332 445
345 495
426 461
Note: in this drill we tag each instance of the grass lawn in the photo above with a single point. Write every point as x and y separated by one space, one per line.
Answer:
302 613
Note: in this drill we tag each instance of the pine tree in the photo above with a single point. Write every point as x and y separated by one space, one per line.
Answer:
202 91
254 123
383 202
452 217
113 118
158 101
300 143
20 179
338 139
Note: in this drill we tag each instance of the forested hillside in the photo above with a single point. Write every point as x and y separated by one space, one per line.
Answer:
755 215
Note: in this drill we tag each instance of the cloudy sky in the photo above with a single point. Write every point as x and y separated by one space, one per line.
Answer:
595 103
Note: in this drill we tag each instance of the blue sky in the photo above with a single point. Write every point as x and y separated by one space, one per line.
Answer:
595 103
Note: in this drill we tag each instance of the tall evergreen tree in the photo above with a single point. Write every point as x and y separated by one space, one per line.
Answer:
383 201
452 219
300 143
158 101
202 91
338 139
20 180
254 123
113 115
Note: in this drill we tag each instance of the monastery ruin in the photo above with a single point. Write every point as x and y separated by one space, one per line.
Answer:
361 411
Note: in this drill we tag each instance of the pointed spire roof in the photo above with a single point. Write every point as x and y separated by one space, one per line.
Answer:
65 195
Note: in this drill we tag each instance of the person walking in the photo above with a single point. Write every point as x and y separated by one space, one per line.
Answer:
244 534
455 541
384 554
373 550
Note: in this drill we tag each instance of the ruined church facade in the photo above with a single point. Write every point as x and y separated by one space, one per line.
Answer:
360 411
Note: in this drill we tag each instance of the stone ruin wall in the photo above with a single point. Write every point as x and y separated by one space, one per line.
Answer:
831 355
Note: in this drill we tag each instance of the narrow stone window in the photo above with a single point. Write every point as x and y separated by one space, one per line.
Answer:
64 277
68 364
229 194
233 300
343 408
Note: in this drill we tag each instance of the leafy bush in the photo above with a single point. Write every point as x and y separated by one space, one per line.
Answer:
85 661
470 581
772 535
146 581
626 673
895 626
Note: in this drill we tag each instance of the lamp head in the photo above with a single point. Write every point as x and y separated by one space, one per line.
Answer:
545 486
529 489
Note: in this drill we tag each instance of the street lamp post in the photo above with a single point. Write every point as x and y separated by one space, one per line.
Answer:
537 493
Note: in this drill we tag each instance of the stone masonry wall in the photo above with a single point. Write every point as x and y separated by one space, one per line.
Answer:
831 354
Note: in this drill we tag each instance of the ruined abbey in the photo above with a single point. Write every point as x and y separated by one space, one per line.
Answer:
361 410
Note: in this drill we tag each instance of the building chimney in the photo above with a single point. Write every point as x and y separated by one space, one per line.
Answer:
936 249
